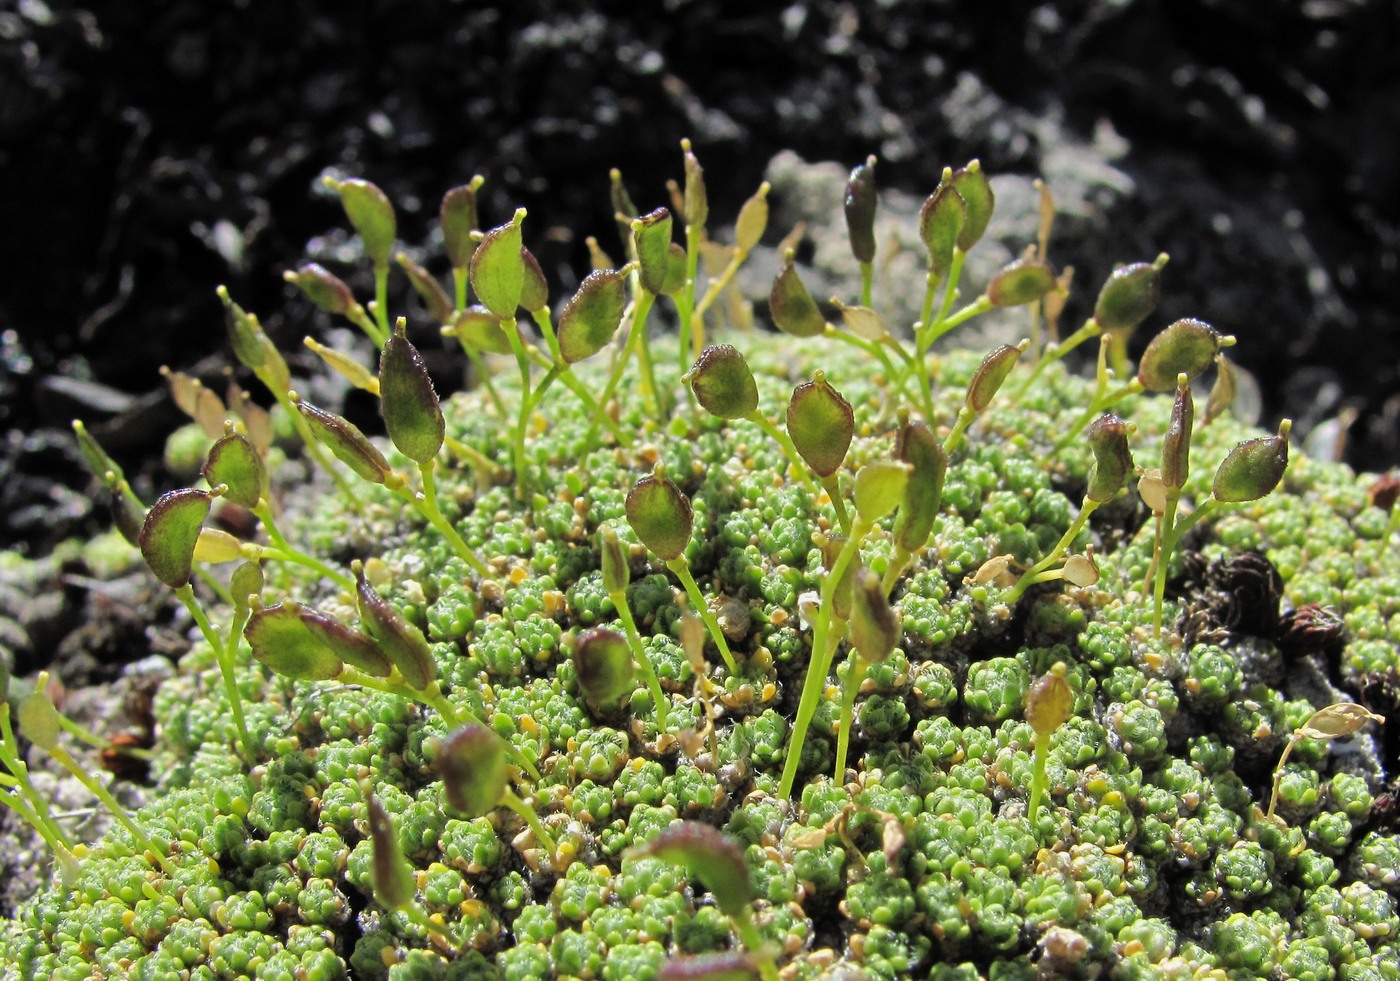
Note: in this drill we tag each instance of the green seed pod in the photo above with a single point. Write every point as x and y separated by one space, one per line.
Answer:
324 289
592 315
617 194
1129 295
723 383
472 762
243 332
660 515
821 424
534 294
1113 460
280 639
978 201
1253 468
617 573
458 218
481 330
371 215
234 462
1187 346
391 875
170 532
917 446
352 646
792 306
1222 393
215 546
841 595
696 200
498 268
1049 701
425 284
345 366
343 438
246 581
753 219
940 223
1176 444
675 269
1020 282
651 238
727 965
876 628
37 716
710 856
879 488
603 668
990 374
400 640
126 516
412 415
103 467
860 206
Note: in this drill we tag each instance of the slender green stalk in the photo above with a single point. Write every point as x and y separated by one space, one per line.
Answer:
950 293
66 760
639 655
716 286
1057 351
225 658
1171 537
641 306
42 820
285 551
855 671
480 461
926 311
874 350
940 327
1038 779
1029 577
357 316
426 505
702 609
381 302
832 485
692 342
523 416
509 799
867 282
753 940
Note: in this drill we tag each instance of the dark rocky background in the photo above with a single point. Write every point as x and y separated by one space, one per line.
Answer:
149 151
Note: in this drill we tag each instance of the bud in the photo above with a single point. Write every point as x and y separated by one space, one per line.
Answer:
440 308
343 438
411 411
1129 295
723 384
710 856
860 210
940 222
875 627
1113 460
978 200
498 268
603 668
323 288
233 462
990 374
370 213
280 639
660 515
879 488
1020 282
472 762
170 532
592 315
821 424
1186 347
400 640
753 219
651 237
1049 702
458 218
792 306
1176 444
1253 468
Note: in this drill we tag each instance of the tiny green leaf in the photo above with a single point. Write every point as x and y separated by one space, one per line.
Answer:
1253 468
1176 444
978 201
412 414
400 640
323 288
370 213
1020 282
427 287
792 306
1187 346
710 856
821 424
651 237
603 668
723 383
170 532
617 572
917 446
660 515
1113 460
1129 295
498 268
280 639
879 488
458 218
391 875
592 315
343 438
876 628
472 762
1049 702
990 374
481 330
860 203
233 461
940 223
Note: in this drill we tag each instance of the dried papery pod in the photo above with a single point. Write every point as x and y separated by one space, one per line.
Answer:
345 366
860 203
862 321
257 421
1020 282
412 414
940 223
425 284
245 336
841 594
1186 347
371 215
458 218
617 572
481 330
343 438
400 640
1049 702
923 494
1129 295
592 315
696 201
660 515
1081 570
821 424
498 268
1223 392
102 466
1253 468
1054 303
792 306
1337 721
651 238
324 289
233 462
1152 491
280 639
708 855
723 383
997 569
879 488
392 877
978 201
990 374
1113 460
1176 444
603 668
753 219
170 532
876 628
727 965
215 546
472 762
352 646
534 294
194 400
675 269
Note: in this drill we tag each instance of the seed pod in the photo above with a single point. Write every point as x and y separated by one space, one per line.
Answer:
37 716
1113 460
1336 721
862 321
458 218
412 415
344 365
324 289
841 594
1020 282
753 219
651 238
391 876
1253 468
592 315
126 515
1223 392
675 269
860 210
1049 702
481 330
1176 444
978 200
352 646
534 293
246 582
603 668
1186 347
371 215
617 573
498 268
234 462
1081 570
1152 491
1129 295
990 374
821 424
923 494
792 306
280 639
726 965
876 628
879 488
940 223
194 400
215 546
723 383
696 200
425 284
401 641
710 856
170 532
472 762
660 515
618 196
103 467
243 332
343 438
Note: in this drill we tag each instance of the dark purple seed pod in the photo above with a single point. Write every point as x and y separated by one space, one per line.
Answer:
1129 295
323 288
534 292
990 374
860 203
651 238
695 199
352 646
425 284
917 446
391 876
1176 445
1020 282
280 639
710 856
603 668
876 628
1113 460
400 640
343 438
